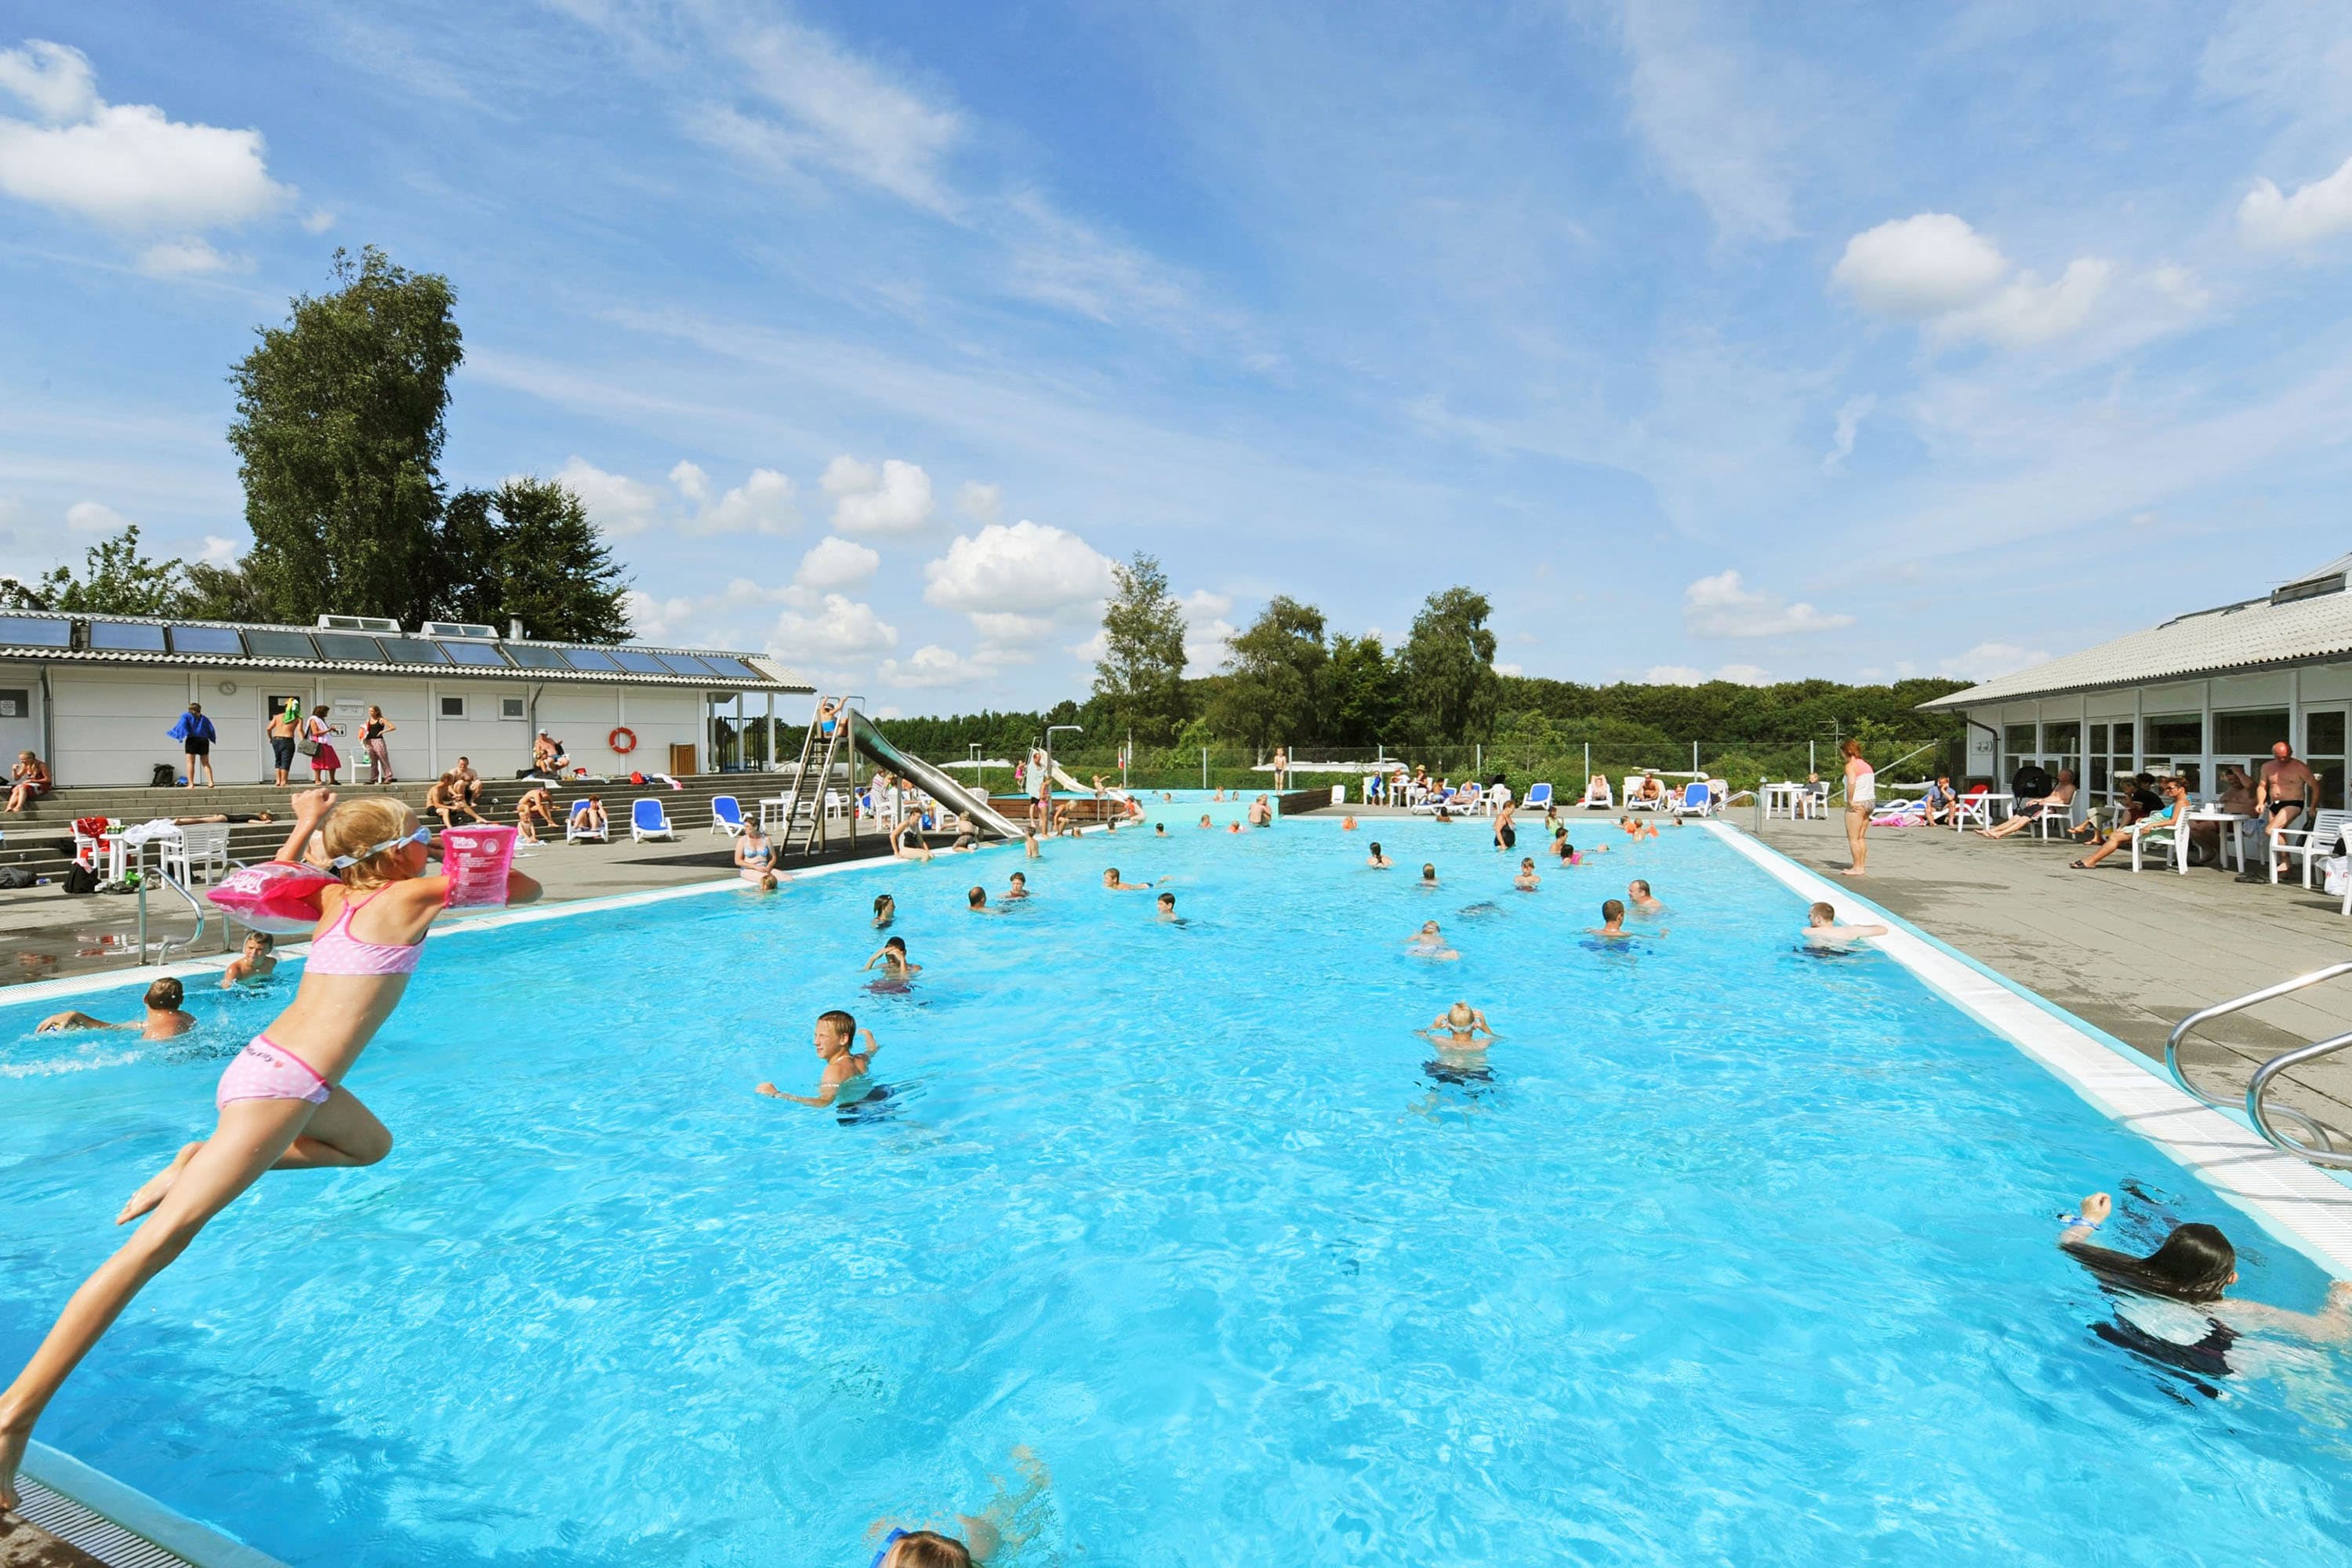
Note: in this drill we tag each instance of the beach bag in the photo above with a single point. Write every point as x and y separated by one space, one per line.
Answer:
15 876
80 878
2338 871
165 776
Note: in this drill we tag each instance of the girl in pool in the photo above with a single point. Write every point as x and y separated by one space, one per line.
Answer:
1376 860
282 1104
755 857
886 909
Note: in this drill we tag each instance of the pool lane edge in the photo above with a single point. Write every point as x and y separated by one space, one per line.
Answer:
2297 1203
132 1512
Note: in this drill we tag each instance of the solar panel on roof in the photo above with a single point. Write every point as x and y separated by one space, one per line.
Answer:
206 640
348 645
685 664
414 650
733 669
638 661
270 643
589 658
530 657
480 655
30 631
126 637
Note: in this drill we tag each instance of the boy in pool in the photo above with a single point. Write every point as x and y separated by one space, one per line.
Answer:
1429 873
1019 888
893 956
1638 892
1458 1029
1168 909
1377 861
1114 884
1637 831
1612 923
1822 929
1158 830
164 1020
843 1067
1429 942
1527 879
254 963
1204 820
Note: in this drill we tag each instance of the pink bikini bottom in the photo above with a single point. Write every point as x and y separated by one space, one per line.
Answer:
266 1071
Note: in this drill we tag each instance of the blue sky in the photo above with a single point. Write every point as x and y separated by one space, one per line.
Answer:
1854 341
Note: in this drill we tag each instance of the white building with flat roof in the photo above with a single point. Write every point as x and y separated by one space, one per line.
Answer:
2211 687
96 695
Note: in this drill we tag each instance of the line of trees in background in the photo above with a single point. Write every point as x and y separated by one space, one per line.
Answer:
342 412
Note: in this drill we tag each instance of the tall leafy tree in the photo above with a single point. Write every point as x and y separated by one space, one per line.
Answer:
1448 664
1273 693
117 579
529 551
217 591
1140 677
1363 692
338 433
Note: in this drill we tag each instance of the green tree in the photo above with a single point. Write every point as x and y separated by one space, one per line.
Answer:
1273 694
340 420
1448 666
529 551
220 592
1362 694
117 580
1141 677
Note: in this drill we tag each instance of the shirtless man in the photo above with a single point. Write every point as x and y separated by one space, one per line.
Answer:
165 1019
536 807
469 782
2285 792
843 1066
1822 929
1112 883
1612 923
1643 901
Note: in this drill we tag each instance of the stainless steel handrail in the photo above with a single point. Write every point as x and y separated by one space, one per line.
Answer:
186 943
2190 1025
2260 1114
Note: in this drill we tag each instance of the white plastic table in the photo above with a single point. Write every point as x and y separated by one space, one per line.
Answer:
1978 808
2232 838
1781 799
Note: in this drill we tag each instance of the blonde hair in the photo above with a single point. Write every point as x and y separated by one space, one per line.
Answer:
357 824
928 1549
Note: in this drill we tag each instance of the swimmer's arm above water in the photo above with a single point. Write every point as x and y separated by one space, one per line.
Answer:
2095 1209
2332 1324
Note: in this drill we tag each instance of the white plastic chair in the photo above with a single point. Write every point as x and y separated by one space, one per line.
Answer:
2168 837
200 853
2307 844
1597 794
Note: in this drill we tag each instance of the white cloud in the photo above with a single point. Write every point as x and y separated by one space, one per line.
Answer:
895 499
1691 102
1501 669
1027 569
1920 267
841 628
187 258
126 165
218 551
616 503
691 482
982 503
1207 633
320 221
1056 260
932 665
760 504
1684 675
1201 603
836 563
658 620
1989 660
1850 416
89 517
1004 629
1744 675
840 113
2030 311
1718 607
2271 220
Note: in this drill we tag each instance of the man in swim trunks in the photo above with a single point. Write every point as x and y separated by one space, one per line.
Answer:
834 1031
1637 892
165 1019
2285 792
1822 929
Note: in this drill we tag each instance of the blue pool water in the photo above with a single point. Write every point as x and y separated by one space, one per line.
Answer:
1742 1256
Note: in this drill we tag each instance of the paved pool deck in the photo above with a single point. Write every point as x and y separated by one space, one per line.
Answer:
2128 953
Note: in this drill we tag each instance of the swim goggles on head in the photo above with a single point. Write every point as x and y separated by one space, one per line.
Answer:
422 836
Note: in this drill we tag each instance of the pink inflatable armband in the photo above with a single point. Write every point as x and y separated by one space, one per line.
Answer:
276 896
477 860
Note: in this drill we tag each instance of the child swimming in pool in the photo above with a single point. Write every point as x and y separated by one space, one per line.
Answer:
1168 909
1822 929
1204 820
1428 874
1112 882
893 955
1458 1029
282 1104
886 909
256 962
1526 880
165 1019
1377 859
1019 888
1429 942
843 1067
1612 923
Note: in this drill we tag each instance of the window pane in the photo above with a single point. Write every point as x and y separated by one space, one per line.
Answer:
2251 733
2099 776
30 631
480 655
2178 734
280 644
2322 734
350 645
588 658
126 637
2064 739
2017 740
2123 742
639 662
206 640
2099 738
453 708
2331 783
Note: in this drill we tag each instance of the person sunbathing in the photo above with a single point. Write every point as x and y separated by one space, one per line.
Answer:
2061 799
589 820
2175 805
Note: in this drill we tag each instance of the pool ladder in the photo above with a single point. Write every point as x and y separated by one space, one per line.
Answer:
2320 1149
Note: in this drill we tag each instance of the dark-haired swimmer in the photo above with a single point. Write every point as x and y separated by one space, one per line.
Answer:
893 959
1019 888
1612 923
1378 861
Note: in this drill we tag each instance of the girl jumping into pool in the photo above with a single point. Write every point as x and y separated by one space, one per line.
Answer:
282 1104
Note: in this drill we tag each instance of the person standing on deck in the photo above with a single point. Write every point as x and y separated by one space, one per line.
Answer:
284 727
2286 791
1861 800
196 734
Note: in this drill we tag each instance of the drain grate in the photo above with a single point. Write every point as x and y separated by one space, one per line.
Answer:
102 1538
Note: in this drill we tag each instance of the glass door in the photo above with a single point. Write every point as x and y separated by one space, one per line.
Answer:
2323 748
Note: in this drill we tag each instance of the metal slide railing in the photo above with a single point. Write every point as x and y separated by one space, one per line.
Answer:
2320 1149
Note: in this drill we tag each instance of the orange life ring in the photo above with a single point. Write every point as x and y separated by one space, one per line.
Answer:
622 734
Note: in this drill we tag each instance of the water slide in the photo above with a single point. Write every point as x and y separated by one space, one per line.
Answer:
942 786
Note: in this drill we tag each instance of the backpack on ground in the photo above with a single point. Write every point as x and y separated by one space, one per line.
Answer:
80 878
16 877
165 776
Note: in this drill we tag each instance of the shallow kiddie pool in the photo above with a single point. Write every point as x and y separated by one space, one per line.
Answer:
1742 1257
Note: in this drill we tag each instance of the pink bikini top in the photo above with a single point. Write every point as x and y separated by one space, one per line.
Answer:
341 953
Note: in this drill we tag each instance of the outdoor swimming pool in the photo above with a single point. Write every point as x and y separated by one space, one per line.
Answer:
1744 1257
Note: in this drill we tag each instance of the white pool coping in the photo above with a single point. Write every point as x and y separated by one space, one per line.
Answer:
135 1513
2296 1201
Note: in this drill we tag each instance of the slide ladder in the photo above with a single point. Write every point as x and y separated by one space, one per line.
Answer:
2315 1146
804 802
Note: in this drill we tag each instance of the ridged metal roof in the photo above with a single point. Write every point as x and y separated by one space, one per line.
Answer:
2268 633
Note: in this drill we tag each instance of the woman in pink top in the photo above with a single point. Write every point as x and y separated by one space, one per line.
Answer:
281 1102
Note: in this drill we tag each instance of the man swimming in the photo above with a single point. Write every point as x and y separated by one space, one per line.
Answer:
1638 892
1429 942
1112 882
1377 861
975 898
1822 929
843 1067
163 1019
1612 923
